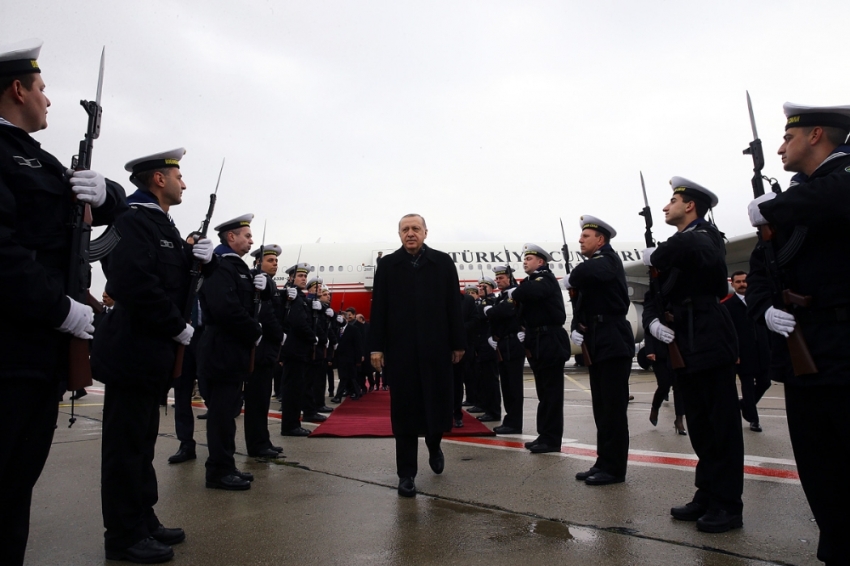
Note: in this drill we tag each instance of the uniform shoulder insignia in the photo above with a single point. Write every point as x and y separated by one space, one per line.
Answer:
847 168
33 163
165 244
539 279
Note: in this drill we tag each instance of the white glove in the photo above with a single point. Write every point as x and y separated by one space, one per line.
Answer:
646 256
493 343
565 283
779 321
510 292
89 186
577 337
340 318
79 322
660 331
317 305
260 281
203 250
185 336
260 339
283 340
756 219
521 336
329 312
291 293
488 307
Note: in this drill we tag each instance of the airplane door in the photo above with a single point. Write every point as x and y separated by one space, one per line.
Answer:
370 265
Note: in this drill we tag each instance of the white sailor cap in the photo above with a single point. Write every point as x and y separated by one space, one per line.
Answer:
693 190
502 270
291 269
314 281
532 249
800 116
488 281
170 158
268 249
301 268
594 223
471 287
20 58
238 222
326 288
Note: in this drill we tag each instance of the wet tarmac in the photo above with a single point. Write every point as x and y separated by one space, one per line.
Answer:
333 501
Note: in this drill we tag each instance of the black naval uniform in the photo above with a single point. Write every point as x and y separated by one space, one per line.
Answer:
296 351
35 205
817 405
547 349
258 386
465 366
133 354
504 325
227 304
316 376
486 365
601 282
692 277
184 387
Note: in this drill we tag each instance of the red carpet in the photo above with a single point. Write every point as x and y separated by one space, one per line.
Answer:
370 417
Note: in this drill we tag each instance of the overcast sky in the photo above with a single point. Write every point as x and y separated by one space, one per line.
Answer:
492 119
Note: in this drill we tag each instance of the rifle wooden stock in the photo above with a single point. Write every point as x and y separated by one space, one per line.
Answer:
585 352
177 370
801 358
79 370
251 360
676 359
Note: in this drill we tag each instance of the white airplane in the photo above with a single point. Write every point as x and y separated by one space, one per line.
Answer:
348 269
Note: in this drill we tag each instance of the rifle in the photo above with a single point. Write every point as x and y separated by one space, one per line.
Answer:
197 279
801 358
79 269
676 359
257 297
575 299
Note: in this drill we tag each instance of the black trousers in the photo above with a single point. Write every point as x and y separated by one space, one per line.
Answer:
318 377
489 397
549 382
753 387
348 378
128 489
223 402
665 378
258 389
184 417
609 392
292 393
820 436
330 373
276 380
714 424
458 373
407 452
30 410
510 376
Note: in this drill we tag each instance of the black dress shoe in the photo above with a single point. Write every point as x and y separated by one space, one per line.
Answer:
314 418
202 417
507 430
229 483
356 396
604 478
297 431
688 512
438 462
79 394
325 409
182 455
719 521
466 404
146 551
385 388
168 536
406 487
336 400
458 423
247 476
542 448
653 416
265 453
488 418
531 443
277 448
581 476
475 409
755 427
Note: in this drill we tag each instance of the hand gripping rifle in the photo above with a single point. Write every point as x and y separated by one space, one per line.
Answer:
79 270
197 279
676 360
257 301
801 358
575 298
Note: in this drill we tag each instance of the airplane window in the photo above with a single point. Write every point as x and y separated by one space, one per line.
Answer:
480 267
560 266
460 267
359 268
349 268
340 268
470 267
321 268
330 268
488 266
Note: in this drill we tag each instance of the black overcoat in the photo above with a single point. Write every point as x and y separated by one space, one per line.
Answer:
416 322
753 339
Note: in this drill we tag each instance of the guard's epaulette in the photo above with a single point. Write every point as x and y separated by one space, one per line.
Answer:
539 279
847 169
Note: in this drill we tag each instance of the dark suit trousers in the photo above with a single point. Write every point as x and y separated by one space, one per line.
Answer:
714 424
223 403
292 392
348 378
329 370
128 489
820 436
753 388
407 452
549 382
510 374
30 410
184 416
490 397
258 390
609 392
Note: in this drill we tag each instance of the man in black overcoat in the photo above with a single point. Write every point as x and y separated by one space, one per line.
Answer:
349 356
417 332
